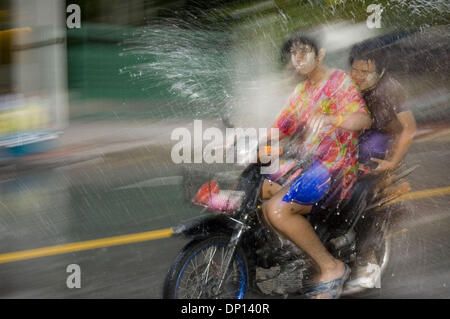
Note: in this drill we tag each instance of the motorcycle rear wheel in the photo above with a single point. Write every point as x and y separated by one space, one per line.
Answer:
197 270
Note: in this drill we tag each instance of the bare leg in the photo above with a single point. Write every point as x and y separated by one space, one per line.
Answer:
269 189
287 219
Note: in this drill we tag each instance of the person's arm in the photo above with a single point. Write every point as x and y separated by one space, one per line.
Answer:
352 114
266 142
351 122
401 143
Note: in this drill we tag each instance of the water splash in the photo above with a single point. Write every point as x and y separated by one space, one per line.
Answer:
226 61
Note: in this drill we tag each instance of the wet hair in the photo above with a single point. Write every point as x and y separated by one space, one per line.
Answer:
295 39
369 51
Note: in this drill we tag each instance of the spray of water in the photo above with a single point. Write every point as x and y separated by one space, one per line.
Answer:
226 61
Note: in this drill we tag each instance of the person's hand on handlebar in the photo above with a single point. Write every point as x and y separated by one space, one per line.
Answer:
267 152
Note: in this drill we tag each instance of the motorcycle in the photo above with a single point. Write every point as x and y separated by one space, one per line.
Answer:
233 253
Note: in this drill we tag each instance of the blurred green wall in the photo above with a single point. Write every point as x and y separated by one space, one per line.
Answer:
94 64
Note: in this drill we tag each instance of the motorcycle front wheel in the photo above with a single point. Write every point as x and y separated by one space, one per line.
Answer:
197 271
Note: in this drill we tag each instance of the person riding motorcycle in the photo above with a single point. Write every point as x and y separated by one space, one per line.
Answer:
323 116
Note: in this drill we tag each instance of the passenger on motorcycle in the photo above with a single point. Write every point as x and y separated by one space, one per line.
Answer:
393 126
384 145
323 115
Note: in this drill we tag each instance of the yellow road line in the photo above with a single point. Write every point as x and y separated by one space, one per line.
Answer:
85 245
423 194
157 234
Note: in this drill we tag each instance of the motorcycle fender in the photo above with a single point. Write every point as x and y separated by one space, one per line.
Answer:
205 226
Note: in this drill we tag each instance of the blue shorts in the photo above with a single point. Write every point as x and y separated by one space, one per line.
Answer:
311 187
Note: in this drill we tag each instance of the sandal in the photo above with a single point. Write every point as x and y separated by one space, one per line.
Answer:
332 288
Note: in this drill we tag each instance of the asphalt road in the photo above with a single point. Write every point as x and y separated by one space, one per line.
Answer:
140 190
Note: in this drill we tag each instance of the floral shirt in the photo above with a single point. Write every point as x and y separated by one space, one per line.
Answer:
334 147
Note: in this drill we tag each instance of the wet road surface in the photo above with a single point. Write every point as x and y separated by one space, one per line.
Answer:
140 190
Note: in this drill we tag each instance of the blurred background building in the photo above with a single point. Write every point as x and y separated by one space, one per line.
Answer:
158 59
33 105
